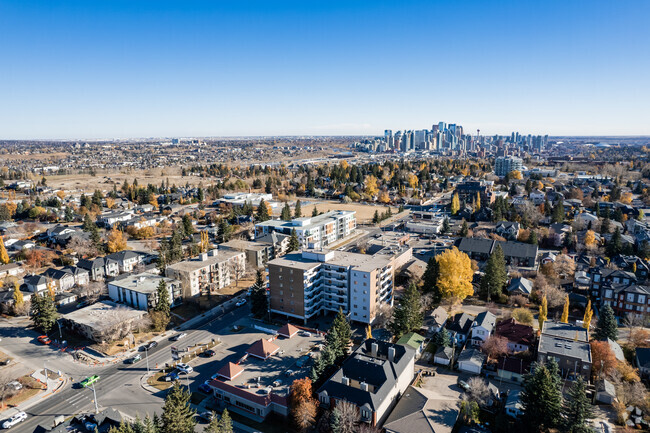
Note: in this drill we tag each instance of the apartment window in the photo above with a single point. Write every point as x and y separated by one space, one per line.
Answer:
608 293
365 292
365 308
596 277
630 297
356 307
365 284
641 299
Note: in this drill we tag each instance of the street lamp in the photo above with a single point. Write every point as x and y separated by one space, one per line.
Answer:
47 385
146 355
95 398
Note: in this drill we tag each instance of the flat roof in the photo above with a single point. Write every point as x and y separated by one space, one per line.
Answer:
142 283
214 257
360 262
103 314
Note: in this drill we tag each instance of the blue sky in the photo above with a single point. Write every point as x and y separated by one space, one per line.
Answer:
142 68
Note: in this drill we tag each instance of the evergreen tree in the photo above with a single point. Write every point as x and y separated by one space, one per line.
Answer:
577 409
442 338
188 228
541 397
375 218
89 224
532 239
214 425
262 212
605 226
408 314
606 326
558 213
344 330
176 246
314 211
496 276
225 231
615 244
69 214
163 305
445 225
297 211
430 279
464 230
177 416
285 215
333 342
43 312
259 299
294 243
225 422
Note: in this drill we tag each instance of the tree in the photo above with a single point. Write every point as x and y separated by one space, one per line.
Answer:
445 225
455 275
495 346
314 212
262 211
590 239
442 338
615 244
495 277
558 213
541 397
4 257
225 231
344 331
464 230
603 359
565 311
162 305
430 279
533 237
371 185
225 422
259 300
589 312
523 315
345 418
188 227
455 204
408 314
577 409
177 416
116 241
214 425
469 412
564 266
605 226
543 313
303 406
606 326
285 215
297 210
375 217
43 312
294 243
19 302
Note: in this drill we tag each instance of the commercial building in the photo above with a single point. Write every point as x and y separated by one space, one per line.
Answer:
310 282
102 321
313 232
141 291
373 378
239 199
209 271
506 164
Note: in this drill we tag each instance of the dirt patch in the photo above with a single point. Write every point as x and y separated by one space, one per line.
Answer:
158 380
31 387
121 346
364 212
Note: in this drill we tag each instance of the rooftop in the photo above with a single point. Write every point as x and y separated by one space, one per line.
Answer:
103 314
204 260
142 283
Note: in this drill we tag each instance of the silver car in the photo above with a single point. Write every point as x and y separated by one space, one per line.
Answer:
17 418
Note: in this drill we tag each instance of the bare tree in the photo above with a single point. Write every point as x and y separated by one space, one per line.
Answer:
83 247
5 390
478 391
383 315
346 417
565 266
495 346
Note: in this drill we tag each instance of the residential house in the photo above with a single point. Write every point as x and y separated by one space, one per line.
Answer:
508 229
469 190
515 253
81 276
568 345
373 378
277 241
459 327
111 219
512 369
520 286
126 260
436 320
11 270
514 407
443 355
36 283
604 279
63 280
422 411
520 337
558 232
100 267
537 196
627 300
642 357
605 392
482 328
415 341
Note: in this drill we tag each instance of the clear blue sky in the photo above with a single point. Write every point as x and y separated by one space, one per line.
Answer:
140 68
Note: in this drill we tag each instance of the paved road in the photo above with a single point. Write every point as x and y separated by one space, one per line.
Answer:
119 386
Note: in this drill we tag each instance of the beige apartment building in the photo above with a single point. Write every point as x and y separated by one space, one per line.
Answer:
212 271
305 284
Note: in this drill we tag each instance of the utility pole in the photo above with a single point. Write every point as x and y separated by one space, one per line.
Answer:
146 355
47 385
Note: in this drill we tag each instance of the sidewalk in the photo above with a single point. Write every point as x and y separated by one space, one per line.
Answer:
52 389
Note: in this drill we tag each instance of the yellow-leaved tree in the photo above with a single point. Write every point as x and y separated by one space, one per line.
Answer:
543 313
455 204
116 241
477 202
565 312
515 174
4 257
371 185
590 239
19 302
413 180
455 275
588 315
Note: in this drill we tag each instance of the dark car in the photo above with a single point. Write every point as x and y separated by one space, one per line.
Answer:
209 353
464 385
204 387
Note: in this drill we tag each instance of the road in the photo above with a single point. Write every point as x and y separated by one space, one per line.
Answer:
119 385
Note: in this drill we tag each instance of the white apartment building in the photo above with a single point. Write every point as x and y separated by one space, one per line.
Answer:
213 270
141 291
310 282
313 232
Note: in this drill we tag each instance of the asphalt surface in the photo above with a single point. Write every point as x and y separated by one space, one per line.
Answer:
119 385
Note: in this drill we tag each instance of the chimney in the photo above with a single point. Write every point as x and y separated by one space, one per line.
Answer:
374 348
364 386
346 381
391 354
203 257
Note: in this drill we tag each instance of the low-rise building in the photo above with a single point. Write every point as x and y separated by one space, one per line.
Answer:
257 253
126 260
520 337
568 345
372 378
102 321
141 291
482 328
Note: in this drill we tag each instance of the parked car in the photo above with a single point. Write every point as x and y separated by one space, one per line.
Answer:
171 376
15 419
179 336
241 302
44 339
184 368
204 387
15 385
151 345
209 353
464 385
205 416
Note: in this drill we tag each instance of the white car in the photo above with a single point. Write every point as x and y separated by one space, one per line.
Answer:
241 302
184 368
19 417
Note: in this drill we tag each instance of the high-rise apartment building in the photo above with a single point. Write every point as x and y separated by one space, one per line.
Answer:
507 164
313 232
305 284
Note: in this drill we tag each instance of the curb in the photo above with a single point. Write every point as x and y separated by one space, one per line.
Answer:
144 385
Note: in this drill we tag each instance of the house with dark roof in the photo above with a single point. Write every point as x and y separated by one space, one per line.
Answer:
508 230
422 411
512 369
642 358
100 267
126 260
471 361
62 279
81 276
515 253
35 283
520 286
459 326
436 320
373 378
482 328
603 279
568 345
520 337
